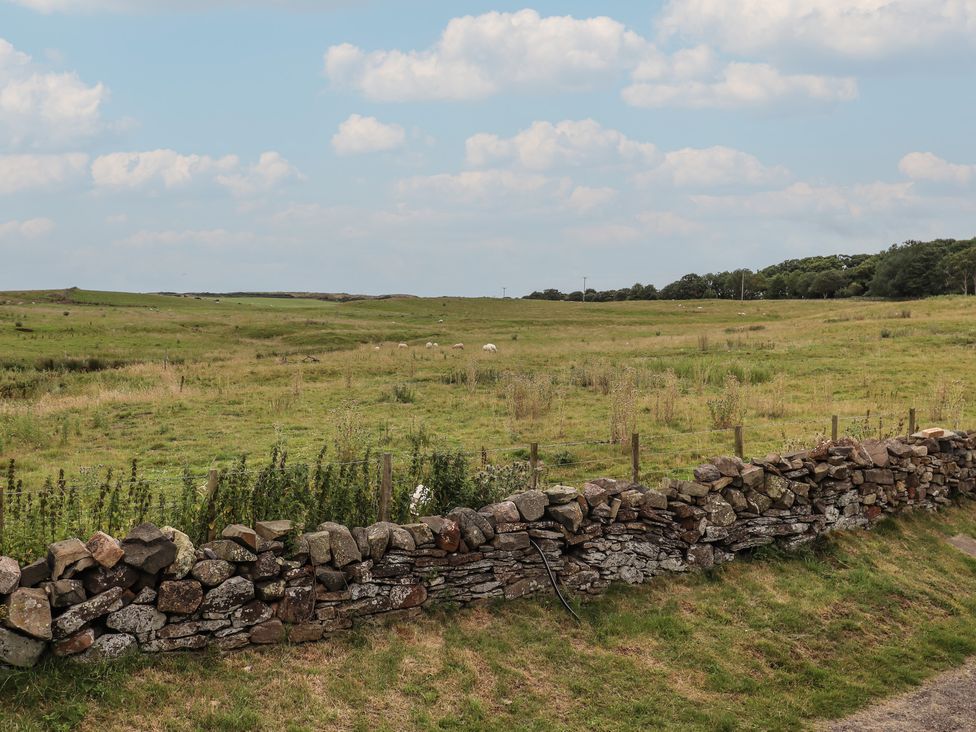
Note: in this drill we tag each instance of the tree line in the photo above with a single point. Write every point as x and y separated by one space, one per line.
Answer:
909 270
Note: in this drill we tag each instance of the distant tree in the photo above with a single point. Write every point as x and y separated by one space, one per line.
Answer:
757 284
690 287
912 269
827 283
777 287
960 267
854 289
799 283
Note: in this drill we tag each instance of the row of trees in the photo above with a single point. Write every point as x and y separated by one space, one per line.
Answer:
912 269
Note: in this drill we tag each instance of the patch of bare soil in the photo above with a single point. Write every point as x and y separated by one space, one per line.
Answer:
947 703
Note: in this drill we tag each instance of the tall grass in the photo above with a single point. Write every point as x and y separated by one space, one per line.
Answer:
529 396
947 401
623 406
771 402
666 397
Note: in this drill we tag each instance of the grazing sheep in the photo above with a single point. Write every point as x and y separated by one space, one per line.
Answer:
429 345
490 348
376 348
401 345
458 346
435 345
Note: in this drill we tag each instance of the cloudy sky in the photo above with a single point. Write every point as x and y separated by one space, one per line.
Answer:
440 147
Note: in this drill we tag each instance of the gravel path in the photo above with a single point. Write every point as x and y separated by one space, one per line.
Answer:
947 703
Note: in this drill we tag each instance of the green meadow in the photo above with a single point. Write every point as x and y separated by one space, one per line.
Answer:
93 379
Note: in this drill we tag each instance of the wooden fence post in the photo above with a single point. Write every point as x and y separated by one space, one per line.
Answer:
739 446
911 421
833 428
386 487
635 456
213 486
534 462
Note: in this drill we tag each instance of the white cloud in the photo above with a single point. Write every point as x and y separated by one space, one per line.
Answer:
45 108
192 238
713 166
486 187
604 234
738 84
27 172
477 56
587 144
137 169
667 224
132 170
544 145
358 134
27 229
270 171
930 167
804 199
585 199
861 29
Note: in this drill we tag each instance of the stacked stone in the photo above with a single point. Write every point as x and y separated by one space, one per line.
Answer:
269 583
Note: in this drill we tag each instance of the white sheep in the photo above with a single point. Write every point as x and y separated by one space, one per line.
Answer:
458 346
401 345
429 345
490 348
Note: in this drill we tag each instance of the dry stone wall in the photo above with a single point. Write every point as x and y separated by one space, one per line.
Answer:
154 591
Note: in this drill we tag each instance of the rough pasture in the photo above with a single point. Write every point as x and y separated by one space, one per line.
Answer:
92 378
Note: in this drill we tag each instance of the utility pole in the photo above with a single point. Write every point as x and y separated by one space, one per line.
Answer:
742 290
584 288
503 293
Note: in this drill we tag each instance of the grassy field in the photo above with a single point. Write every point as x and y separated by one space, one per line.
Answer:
772 643
93 378
96 379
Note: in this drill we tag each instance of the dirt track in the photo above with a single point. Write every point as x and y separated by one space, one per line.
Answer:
947 703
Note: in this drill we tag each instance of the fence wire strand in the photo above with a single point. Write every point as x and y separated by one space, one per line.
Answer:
93 475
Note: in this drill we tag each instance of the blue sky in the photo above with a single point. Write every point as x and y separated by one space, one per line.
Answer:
459 147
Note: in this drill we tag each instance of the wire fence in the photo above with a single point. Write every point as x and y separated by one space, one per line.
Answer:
383 484
761 437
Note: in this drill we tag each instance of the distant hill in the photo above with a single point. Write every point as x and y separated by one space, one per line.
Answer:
328 296
75 295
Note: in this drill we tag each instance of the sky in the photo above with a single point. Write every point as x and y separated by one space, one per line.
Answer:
459 148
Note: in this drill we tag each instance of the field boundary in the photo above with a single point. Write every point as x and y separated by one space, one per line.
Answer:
275 582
